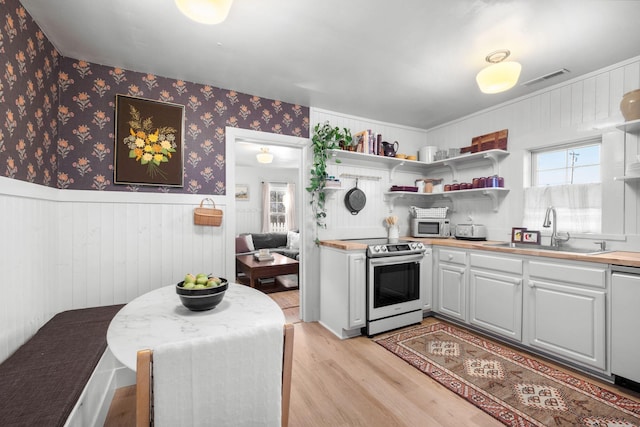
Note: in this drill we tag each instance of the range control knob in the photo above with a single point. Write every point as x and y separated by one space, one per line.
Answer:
383 249
376 248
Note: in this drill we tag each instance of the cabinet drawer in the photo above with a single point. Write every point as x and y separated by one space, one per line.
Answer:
453 257
585 275
490 262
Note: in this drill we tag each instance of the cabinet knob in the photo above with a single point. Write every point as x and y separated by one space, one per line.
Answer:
532 284
450 257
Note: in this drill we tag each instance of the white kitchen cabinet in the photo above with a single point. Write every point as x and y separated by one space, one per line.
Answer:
495 294
565 311
343 291
451 295
426 280
625 318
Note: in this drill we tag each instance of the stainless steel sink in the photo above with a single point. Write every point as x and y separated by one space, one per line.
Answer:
548 248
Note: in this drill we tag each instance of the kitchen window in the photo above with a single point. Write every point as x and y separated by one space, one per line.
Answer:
569 179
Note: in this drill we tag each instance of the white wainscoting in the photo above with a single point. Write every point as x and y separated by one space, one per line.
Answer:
65 249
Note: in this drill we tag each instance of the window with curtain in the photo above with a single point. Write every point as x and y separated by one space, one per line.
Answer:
567 178
277 207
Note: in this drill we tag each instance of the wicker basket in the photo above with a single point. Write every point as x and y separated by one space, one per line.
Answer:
429 212
207 216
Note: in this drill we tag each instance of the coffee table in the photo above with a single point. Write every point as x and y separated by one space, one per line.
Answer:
255 269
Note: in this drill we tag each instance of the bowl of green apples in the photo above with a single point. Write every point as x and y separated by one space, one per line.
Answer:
201 292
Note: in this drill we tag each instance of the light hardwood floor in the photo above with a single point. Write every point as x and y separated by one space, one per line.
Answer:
355 382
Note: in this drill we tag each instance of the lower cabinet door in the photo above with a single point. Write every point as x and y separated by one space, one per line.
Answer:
451 291
357 292
567 321
495 302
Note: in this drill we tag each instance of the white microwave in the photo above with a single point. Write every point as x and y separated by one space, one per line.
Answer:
430 227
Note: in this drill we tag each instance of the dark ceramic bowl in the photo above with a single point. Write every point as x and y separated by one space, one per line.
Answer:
201 299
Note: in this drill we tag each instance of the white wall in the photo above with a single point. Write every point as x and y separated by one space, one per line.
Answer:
65 249
583 108
249 212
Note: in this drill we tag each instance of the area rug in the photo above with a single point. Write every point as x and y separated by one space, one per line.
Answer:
511 387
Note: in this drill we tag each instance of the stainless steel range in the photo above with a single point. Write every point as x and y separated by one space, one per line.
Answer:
396 274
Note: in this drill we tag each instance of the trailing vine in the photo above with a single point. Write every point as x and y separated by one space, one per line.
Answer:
324 138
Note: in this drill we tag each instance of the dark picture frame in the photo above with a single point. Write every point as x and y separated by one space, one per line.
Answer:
149 147
532 237
516 234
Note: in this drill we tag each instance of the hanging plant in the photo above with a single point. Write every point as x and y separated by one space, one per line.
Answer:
324 138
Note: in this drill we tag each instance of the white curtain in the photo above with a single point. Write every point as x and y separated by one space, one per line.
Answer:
578 207
291 206
265 207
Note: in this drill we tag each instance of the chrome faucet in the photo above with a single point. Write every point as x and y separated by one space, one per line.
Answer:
549 221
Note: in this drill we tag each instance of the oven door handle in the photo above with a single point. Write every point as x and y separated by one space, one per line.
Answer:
400 259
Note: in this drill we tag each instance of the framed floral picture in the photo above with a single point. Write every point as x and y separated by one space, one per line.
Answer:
516 234
148 142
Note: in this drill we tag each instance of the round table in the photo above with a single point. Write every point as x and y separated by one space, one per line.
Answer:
159 317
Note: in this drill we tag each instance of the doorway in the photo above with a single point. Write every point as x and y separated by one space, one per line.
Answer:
246 174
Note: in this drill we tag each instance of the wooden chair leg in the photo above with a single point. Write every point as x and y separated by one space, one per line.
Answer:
287 365
144 388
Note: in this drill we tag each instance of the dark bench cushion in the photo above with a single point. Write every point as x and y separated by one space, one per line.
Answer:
41 382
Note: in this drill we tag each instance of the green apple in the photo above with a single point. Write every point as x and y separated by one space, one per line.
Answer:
214 282
189 278
201 280
188 285
199 286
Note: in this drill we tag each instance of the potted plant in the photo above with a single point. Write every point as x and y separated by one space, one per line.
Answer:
325 138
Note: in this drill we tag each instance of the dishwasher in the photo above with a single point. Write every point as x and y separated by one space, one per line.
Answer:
625 318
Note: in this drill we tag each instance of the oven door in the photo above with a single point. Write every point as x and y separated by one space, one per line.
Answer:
393 285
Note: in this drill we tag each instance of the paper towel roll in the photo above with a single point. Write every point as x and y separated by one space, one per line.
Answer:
427 153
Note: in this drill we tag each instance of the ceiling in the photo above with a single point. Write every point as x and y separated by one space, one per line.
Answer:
410 62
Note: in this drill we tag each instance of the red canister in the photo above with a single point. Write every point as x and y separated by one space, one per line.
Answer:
455 187
447 187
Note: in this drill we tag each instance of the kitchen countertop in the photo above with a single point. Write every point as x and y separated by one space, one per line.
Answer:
630 259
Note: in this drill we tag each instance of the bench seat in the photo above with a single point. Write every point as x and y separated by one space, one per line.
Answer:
41 382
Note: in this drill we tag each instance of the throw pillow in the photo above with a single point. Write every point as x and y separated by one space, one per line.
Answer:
249 239
293 240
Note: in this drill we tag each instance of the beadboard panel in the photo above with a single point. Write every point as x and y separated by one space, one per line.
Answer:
576 110
74 249
410 140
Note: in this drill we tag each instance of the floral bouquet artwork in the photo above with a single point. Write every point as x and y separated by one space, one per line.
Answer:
148 142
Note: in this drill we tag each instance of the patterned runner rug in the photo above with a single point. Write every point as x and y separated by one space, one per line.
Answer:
511 387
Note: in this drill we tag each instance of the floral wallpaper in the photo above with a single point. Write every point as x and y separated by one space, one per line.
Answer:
59 115
28 98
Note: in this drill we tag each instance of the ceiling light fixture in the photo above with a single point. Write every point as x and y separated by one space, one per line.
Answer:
208 12
264 156
501 75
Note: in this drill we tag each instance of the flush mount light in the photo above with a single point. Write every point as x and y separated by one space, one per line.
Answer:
501 75
205 11
264 156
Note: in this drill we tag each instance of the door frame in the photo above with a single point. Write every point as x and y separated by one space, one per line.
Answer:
234 135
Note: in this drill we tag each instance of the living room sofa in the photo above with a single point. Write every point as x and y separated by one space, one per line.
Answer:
287 244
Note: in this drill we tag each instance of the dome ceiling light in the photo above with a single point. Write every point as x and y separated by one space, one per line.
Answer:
264 156
208 12
501 75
